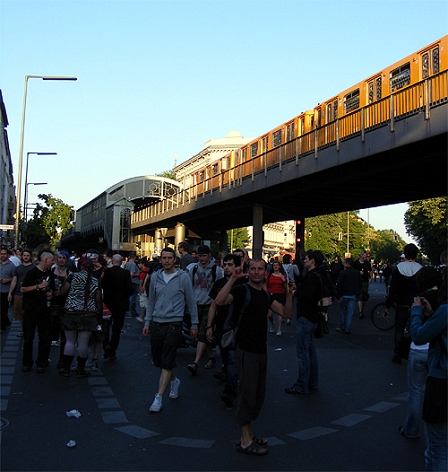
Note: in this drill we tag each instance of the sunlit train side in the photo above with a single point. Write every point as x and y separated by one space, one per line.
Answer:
389 94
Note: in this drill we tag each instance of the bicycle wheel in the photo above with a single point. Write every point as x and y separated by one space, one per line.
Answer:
381 319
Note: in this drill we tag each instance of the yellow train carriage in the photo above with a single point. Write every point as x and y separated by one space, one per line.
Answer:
386 95
371 94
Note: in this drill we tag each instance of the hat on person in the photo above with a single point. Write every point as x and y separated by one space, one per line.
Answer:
204 249
402 256
154 256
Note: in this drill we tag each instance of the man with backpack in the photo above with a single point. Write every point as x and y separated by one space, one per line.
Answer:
203 275
251 347
217 316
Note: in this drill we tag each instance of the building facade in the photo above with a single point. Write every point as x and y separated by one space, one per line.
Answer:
7 189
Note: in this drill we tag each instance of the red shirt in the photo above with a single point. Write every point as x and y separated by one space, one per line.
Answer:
275 284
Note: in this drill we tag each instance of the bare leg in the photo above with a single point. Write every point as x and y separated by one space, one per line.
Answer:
166 376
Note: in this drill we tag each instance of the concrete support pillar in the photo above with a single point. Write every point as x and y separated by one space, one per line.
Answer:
179 234
257 243
158 241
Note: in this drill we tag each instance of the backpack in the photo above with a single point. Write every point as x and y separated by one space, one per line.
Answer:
195 269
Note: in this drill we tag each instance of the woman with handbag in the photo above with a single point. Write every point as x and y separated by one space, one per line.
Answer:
83 313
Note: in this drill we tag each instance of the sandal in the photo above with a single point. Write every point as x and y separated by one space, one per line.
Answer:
260 441
253 449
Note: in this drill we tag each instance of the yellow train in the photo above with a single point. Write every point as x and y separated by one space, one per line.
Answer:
408 86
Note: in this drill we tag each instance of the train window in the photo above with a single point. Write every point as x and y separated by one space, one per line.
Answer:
374 90
318 116
244 155
214 169
400 77
351 101
277 138
435 60
290 131
254 150
332 111
425 65
379 93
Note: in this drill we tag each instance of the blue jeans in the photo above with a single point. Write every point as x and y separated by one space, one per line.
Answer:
347 309
417 374
436 446
307 357
133 299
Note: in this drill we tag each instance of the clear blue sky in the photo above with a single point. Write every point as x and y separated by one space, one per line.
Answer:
157 79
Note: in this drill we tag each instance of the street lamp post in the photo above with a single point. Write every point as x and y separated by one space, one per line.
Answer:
26 175
19 173
25 203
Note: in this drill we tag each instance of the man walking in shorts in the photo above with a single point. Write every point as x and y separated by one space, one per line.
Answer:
170 291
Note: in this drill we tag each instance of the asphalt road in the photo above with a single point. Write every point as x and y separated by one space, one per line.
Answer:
351 423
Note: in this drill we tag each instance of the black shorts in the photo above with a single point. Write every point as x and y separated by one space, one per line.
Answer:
203 317
165 339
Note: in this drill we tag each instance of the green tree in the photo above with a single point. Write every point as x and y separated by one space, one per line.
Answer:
49 221
330 233
426 221
167 174
237 238
35 233
385 248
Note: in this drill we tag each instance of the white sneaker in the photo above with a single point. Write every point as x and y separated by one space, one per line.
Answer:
156 404
94 367
272 329
174 392
279 333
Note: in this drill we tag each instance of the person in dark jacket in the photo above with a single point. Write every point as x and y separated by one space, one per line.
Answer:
401 292
308 294
117 289
348 288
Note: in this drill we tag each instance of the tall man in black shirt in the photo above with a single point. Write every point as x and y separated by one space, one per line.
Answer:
251 351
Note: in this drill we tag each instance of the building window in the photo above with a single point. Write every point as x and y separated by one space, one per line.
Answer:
125 225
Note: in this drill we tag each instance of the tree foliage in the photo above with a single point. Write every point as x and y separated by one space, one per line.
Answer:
167 174
237 238
338 233
50 220
426 221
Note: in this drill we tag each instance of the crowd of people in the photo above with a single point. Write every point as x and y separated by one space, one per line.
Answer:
82 301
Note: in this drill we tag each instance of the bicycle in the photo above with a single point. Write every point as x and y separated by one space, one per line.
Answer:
382 320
